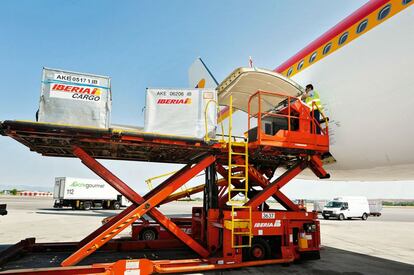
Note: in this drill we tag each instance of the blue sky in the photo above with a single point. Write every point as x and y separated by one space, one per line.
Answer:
138 44
143 44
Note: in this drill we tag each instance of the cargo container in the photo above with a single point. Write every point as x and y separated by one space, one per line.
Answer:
375 207
72 98
86 194
318 205
181 112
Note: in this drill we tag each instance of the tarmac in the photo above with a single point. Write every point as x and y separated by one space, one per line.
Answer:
380 245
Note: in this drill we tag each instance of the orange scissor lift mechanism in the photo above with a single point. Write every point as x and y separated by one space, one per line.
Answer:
236 226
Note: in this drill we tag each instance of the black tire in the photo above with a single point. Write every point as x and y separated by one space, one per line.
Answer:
148 234
259 250
116 206
364 216
341 217
87 205
310 255
325 217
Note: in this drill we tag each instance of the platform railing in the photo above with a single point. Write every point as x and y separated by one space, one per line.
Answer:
207 137
264 109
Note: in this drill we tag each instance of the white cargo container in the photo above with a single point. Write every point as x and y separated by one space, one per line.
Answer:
181 112
73 98
318 205
375 207
347 208
86 193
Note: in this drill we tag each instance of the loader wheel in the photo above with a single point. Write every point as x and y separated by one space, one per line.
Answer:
87 205
147 234
364 217
259 250
116 205
341 217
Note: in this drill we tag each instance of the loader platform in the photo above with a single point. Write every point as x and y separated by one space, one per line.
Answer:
235 227
117 144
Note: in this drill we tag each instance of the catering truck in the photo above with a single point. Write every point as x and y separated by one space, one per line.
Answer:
347 208
86 194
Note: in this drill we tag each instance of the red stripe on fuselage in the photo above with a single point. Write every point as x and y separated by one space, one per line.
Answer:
342 26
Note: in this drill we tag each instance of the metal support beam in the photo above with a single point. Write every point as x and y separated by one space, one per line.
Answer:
224 196
274 187
142 206
262 181
315 165
210 189
184 194
105 226
105 174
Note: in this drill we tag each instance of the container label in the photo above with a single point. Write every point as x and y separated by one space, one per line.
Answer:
76 79
175 97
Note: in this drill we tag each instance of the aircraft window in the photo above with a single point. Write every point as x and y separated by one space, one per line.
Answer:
362 26
343 38
405 2
384 12
312 57
327 48
289 72
300 65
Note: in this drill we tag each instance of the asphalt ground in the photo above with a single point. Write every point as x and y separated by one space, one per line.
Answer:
380 245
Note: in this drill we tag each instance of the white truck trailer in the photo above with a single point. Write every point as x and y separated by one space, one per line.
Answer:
86 194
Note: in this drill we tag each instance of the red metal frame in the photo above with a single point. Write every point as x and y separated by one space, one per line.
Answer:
209 235
141 206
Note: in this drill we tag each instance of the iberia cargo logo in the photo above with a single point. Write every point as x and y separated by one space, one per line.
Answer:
75 92
174 101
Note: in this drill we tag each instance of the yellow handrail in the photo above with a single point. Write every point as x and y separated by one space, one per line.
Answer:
149 181
245 155
242 223
184 188
207 138
238 226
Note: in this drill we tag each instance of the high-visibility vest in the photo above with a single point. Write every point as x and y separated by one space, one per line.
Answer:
314 97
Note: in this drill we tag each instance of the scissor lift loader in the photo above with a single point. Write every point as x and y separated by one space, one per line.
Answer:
237 226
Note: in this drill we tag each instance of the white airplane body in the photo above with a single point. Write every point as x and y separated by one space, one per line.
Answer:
366 87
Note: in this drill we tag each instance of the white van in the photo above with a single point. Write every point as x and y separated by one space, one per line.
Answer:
346 208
